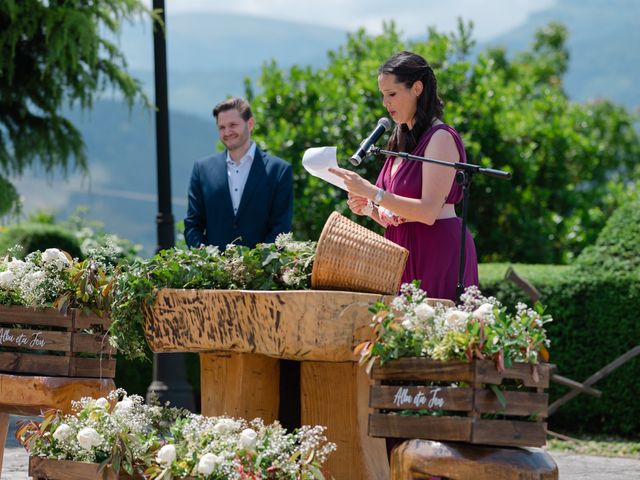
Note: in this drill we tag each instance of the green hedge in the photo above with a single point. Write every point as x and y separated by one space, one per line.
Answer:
595 321
618 246
39 236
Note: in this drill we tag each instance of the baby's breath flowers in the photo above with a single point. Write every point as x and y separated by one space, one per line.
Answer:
479 327
163 443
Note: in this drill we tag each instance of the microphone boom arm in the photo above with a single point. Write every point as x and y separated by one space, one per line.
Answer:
469 167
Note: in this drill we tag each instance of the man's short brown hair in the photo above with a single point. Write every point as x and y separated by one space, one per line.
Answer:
236 103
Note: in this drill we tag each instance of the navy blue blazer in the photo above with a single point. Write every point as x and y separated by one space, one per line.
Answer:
265 210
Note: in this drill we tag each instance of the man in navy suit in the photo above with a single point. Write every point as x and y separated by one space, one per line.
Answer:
242 195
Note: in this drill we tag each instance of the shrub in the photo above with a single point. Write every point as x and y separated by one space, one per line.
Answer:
39 236
617 248
595 321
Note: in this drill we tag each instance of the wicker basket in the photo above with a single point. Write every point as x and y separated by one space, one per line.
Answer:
351 257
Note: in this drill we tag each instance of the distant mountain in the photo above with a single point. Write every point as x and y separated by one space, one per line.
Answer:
121 188
604 63
210 54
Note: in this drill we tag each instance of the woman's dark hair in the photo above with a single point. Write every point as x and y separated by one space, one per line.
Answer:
408 68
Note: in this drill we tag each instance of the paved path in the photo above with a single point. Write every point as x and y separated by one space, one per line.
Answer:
572 467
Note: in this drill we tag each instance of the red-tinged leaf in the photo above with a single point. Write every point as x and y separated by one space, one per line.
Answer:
544 353
369 367
360 347
500 361
469 353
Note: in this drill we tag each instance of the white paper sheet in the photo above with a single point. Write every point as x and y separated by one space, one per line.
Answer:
317 161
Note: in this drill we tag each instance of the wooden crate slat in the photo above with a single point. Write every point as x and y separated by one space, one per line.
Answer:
92 367
399 383
92 343
434 428
509 432
14 362
44 340
422 369
486 372
420 397
31 316
90 320
518 403
40 467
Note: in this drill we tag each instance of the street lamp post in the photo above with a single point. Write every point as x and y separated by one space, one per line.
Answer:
169 369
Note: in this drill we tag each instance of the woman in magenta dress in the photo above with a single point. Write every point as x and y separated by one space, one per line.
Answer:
415 200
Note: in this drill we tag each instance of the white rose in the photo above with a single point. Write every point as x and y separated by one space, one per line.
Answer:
484 312
166 455
63 432
456 318
123 406
88 438
102 403
407 323
248 439
54 255
208 463
16 265
6 279
424 311
224 425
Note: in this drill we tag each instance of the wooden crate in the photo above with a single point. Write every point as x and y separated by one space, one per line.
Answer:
411 384
46 342
41 468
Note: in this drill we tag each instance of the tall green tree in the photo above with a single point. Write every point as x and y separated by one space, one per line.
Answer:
570 161
55 54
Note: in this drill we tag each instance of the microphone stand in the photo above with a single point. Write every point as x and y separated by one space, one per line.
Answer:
464 174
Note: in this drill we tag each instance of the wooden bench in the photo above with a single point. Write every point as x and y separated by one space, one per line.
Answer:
30 395
423 459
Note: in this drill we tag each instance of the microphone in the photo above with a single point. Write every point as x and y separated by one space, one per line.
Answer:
383 125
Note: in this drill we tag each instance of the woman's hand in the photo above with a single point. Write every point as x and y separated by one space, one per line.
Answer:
355 183
359 205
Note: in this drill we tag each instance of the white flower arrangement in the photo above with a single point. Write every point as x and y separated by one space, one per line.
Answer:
479 327
35 281
164 443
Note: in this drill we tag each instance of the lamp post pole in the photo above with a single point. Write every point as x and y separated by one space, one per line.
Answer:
169 369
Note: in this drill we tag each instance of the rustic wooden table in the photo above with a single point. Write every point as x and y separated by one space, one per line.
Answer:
242 335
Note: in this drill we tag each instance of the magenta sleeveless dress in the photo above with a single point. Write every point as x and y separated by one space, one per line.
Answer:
434 250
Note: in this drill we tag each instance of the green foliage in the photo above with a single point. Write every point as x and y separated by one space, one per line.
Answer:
77 235
285 264
595 321
9 198
618 246
569 160
479 327
39 236
93 239
54 55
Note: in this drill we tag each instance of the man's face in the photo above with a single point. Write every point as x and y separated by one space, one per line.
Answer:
235 133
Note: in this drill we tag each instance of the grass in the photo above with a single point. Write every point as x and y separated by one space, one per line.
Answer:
599 445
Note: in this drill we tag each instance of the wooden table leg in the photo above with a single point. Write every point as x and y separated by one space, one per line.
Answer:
4 427
336 395
239 385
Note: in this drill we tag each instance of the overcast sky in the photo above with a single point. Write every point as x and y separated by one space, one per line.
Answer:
491 17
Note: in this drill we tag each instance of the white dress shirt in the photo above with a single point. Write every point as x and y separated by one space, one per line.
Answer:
237 174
